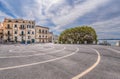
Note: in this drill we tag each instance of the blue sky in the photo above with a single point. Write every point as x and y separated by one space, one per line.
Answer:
103 15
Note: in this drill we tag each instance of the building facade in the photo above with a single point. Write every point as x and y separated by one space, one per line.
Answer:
1 32
19 30
23 31
50 37
118 43
55 39
42 34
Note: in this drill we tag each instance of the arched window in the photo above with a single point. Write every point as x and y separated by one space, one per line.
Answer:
22 32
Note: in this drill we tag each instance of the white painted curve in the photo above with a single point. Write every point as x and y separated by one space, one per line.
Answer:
33 54
113 50
13 51
42 62
90 68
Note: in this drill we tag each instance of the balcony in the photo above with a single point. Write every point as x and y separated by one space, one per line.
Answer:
22 28
39 32
8 27
1 33
8 34
22 34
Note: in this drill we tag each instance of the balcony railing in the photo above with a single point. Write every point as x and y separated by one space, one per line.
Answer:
8 34
42 32
8 27
1 33
22 34
21 27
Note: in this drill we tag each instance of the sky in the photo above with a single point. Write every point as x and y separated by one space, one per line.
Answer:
58 15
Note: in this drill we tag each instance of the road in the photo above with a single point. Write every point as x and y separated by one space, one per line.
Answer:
55 61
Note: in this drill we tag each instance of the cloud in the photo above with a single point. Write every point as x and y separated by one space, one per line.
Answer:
108 29
58 11
108 24
7 9
3 15
76 12
61 14
108 36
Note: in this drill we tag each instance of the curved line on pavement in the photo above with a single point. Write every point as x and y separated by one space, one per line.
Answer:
12 51
42 62
90 68
117 51
32 55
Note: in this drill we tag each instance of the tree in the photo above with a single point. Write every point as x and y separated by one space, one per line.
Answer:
78 35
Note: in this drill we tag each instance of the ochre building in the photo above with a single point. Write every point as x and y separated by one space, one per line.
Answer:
23 31
1 32
19 30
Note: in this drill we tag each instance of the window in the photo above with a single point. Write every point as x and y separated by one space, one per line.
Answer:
22 32
1 36
29 37
22 37
32 26
23 26
28 32
15 32
9 20
8 32
32 32
40 31
40 36
16 39
20 26
8 26
8 38
46 31
27 26
15 26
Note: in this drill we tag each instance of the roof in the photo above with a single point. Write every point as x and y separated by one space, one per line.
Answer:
7 19
42 26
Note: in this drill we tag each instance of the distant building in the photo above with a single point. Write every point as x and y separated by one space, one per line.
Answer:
55 38
19 30
104 42
118 43
42 34
50 37
1 32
